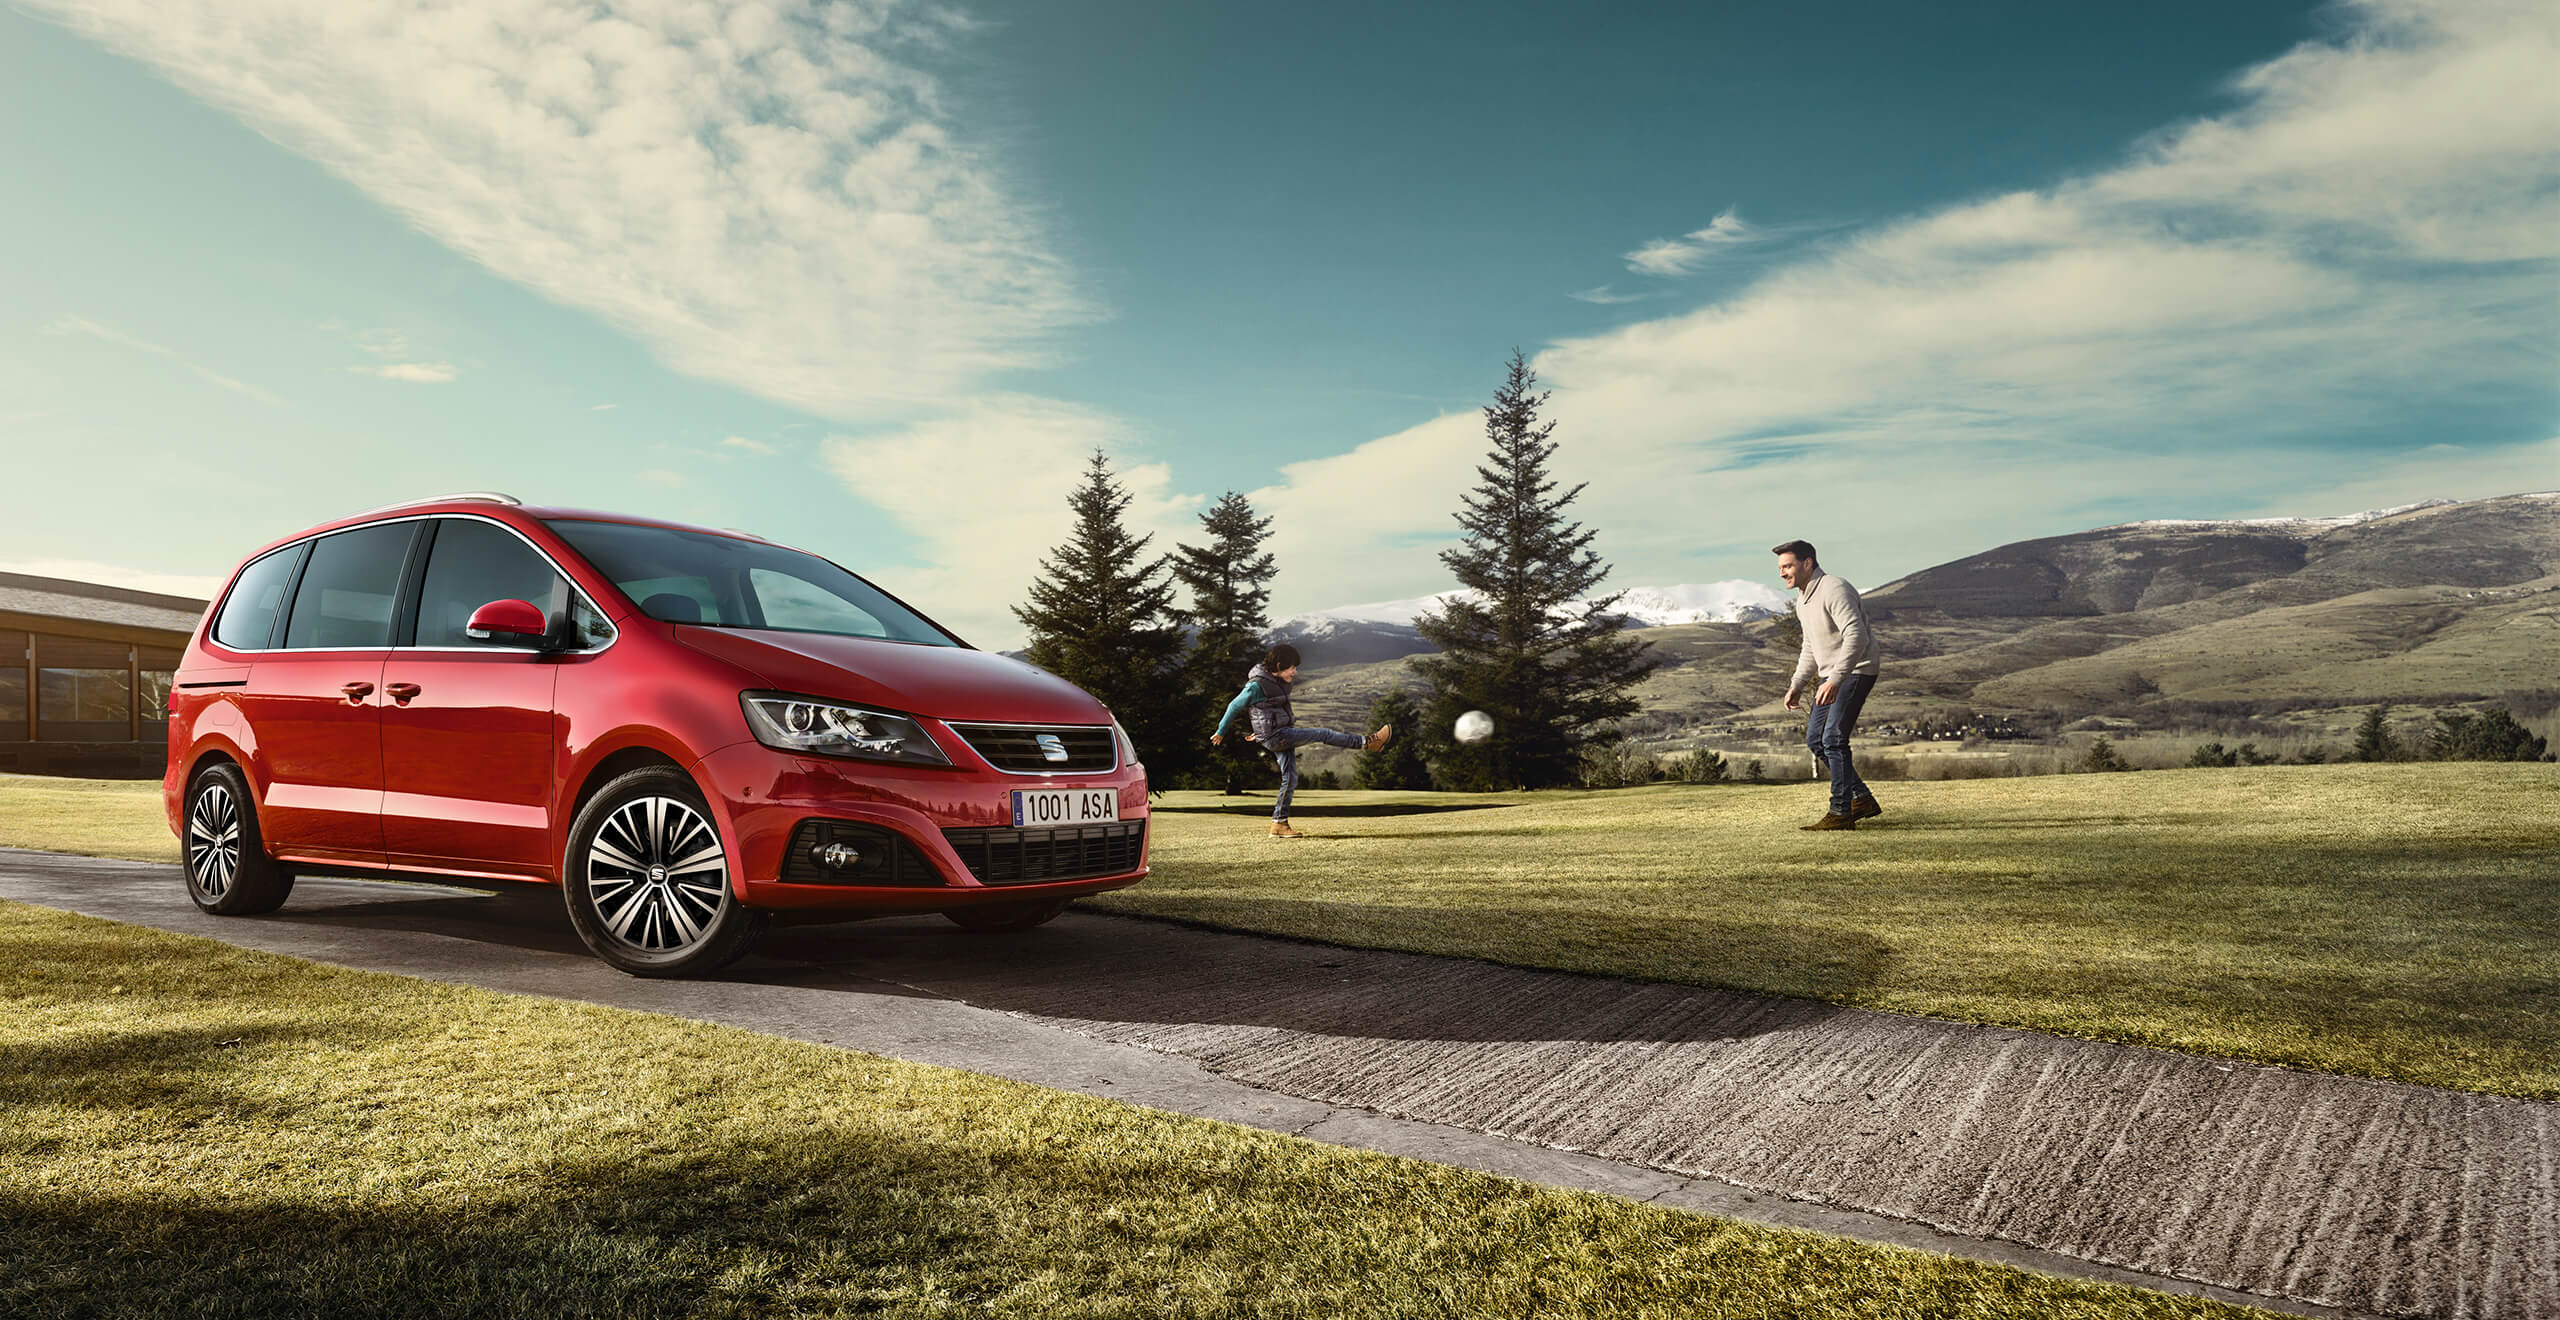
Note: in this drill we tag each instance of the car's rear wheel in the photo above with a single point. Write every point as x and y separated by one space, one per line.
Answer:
648 883
228 871
1006 916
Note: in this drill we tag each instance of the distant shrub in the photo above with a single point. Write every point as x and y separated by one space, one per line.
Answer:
2211 756
2373 737
2311 756
2250 755
2491 735
1756 772
1620 765
2102 758
1325 779
1700 767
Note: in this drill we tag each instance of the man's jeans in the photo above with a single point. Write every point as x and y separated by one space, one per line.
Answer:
1284 743
1826 731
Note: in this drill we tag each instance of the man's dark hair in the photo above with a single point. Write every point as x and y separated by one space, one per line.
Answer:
1280 657
1800 549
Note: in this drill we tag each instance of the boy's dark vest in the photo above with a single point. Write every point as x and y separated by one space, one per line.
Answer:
1272 713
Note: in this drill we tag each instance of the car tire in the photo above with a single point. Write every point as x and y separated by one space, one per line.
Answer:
1006 916
648 882
225 858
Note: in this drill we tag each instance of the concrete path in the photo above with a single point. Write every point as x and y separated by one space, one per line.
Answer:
2307 1193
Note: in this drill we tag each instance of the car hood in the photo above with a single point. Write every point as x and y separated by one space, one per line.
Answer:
945 682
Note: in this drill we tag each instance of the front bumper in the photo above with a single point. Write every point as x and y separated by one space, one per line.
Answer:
765 796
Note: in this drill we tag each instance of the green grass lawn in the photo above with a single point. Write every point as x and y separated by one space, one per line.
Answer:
203 1130
2394 921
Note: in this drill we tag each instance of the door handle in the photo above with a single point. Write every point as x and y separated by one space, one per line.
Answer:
401 692
357 692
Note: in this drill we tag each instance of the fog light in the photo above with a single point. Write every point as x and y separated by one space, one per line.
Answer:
836 856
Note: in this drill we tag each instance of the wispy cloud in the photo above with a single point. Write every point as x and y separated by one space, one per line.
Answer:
604 407
80 325
416 373
2368 238
1606 296
1021 458
1680 256
742 444
766 194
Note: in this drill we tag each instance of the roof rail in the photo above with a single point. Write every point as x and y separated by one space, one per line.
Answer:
478 496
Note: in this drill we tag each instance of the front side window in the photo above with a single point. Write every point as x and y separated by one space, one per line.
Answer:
729 582
248 616
472 564
349 587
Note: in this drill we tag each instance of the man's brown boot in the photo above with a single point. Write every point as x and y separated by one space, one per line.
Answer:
1379 739
1865 808
1280 830
1832 822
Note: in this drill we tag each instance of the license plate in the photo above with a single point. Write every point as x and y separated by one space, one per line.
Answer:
1042 808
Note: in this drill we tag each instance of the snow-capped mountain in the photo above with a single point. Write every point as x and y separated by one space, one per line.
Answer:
2302 526
1383 630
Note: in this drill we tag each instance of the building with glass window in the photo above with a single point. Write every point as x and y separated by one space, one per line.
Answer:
84 676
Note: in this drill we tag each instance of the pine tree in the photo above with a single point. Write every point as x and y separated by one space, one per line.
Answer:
1552 674
1403 762
1098 619
2373 737
1229 581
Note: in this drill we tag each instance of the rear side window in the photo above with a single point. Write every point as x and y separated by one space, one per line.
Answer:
349 587
248 617
472 564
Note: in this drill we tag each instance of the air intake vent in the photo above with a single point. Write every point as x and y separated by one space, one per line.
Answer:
1057 749
1077 852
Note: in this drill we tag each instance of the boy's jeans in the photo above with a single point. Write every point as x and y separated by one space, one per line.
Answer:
1826 731
1284 743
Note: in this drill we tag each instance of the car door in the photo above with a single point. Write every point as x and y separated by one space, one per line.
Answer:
314 704
468 742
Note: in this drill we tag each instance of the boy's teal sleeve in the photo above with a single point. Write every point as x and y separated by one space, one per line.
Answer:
1251 694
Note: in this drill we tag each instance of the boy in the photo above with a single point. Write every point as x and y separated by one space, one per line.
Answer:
1266 695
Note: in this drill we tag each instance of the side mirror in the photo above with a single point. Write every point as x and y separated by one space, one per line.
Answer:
508 620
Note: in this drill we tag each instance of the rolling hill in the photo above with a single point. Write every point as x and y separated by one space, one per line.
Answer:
2159 625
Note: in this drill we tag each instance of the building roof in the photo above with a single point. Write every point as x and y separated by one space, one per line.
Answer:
88 602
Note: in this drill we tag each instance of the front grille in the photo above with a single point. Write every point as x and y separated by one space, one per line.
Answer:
887 857
1076 852
1018 748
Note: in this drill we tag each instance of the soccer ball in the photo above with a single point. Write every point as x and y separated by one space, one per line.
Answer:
1474 727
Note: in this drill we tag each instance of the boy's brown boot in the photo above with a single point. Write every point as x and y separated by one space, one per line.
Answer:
1280 830
1865 808
1832 822
1379 739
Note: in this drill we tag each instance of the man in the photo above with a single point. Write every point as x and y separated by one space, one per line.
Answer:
1840 649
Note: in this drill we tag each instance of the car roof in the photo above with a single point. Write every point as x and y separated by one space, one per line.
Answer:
502 508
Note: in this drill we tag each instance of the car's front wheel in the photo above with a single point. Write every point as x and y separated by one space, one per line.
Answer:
648 883
228 871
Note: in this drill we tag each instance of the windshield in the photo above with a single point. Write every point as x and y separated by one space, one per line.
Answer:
726 582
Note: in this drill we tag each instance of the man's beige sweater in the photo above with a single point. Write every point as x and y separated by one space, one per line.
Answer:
1837 639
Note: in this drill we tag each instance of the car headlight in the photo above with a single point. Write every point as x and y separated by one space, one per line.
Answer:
833 728
1128 748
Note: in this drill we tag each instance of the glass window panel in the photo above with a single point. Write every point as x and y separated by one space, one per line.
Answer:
249 613
697 577
13 686
83 705
153 695
588 628
348 588
472 564
800 605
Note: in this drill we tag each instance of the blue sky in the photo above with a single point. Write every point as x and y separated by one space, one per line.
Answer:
871 278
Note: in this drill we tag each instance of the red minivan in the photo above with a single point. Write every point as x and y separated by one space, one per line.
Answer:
687 730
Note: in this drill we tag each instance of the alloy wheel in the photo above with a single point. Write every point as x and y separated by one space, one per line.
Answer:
656 876
213 840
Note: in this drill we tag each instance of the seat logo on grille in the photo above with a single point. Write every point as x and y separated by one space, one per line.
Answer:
1052 747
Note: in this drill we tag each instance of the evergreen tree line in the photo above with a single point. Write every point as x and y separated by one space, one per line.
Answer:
1529 646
